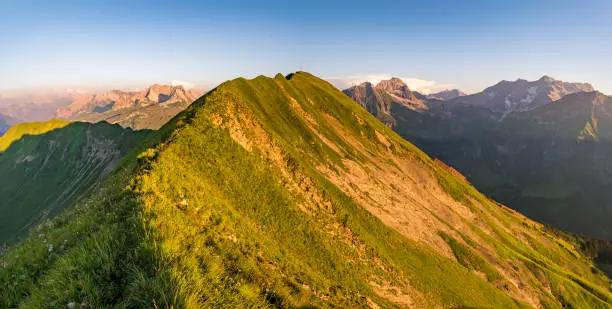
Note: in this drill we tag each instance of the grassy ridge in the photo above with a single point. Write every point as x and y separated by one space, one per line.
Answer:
29 128
226 206
246 225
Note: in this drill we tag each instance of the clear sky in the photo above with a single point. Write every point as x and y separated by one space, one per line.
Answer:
467 44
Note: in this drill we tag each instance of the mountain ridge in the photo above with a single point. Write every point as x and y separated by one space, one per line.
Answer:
378 99
446 95
521 95
146 109
117 99
276 192
29 128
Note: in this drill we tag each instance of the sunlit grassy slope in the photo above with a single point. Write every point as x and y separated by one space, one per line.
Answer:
46 166
29 128
282 192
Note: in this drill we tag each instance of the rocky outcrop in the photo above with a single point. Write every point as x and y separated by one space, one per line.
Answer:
378 99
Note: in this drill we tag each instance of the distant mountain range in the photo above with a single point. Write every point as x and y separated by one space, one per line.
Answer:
521 95
378 99
6 122
147 109
446 95
542 147
35 105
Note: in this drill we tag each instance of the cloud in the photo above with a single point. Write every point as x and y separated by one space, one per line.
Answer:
185 84
426 86
416 84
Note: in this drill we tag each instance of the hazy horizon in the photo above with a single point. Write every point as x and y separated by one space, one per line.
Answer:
432 46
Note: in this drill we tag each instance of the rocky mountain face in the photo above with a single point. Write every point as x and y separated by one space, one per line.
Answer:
49 165
147 109
378 99
521 95
116 99
395 94
446 95
283 192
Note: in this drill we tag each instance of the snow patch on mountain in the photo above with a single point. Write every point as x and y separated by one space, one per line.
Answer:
522 95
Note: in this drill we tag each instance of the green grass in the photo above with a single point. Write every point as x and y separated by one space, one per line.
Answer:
192 219
556 256
452 186
51 165
223 194
29 128
470 259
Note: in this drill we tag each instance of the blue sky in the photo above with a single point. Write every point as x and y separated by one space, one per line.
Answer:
467 44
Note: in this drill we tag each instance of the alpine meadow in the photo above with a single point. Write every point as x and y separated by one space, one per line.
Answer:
409 154
284 192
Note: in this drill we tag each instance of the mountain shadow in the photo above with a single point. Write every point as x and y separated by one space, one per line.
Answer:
47 166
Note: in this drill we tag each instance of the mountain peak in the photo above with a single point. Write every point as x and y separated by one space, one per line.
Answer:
378 99
523 95
547 78
446 95
363 85
396 80
116 100
396 87
392 84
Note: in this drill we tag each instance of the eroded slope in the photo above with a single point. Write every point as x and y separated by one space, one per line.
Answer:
283 192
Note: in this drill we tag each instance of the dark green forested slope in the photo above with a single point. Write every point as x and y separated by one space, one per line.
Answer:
282 192
46 166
